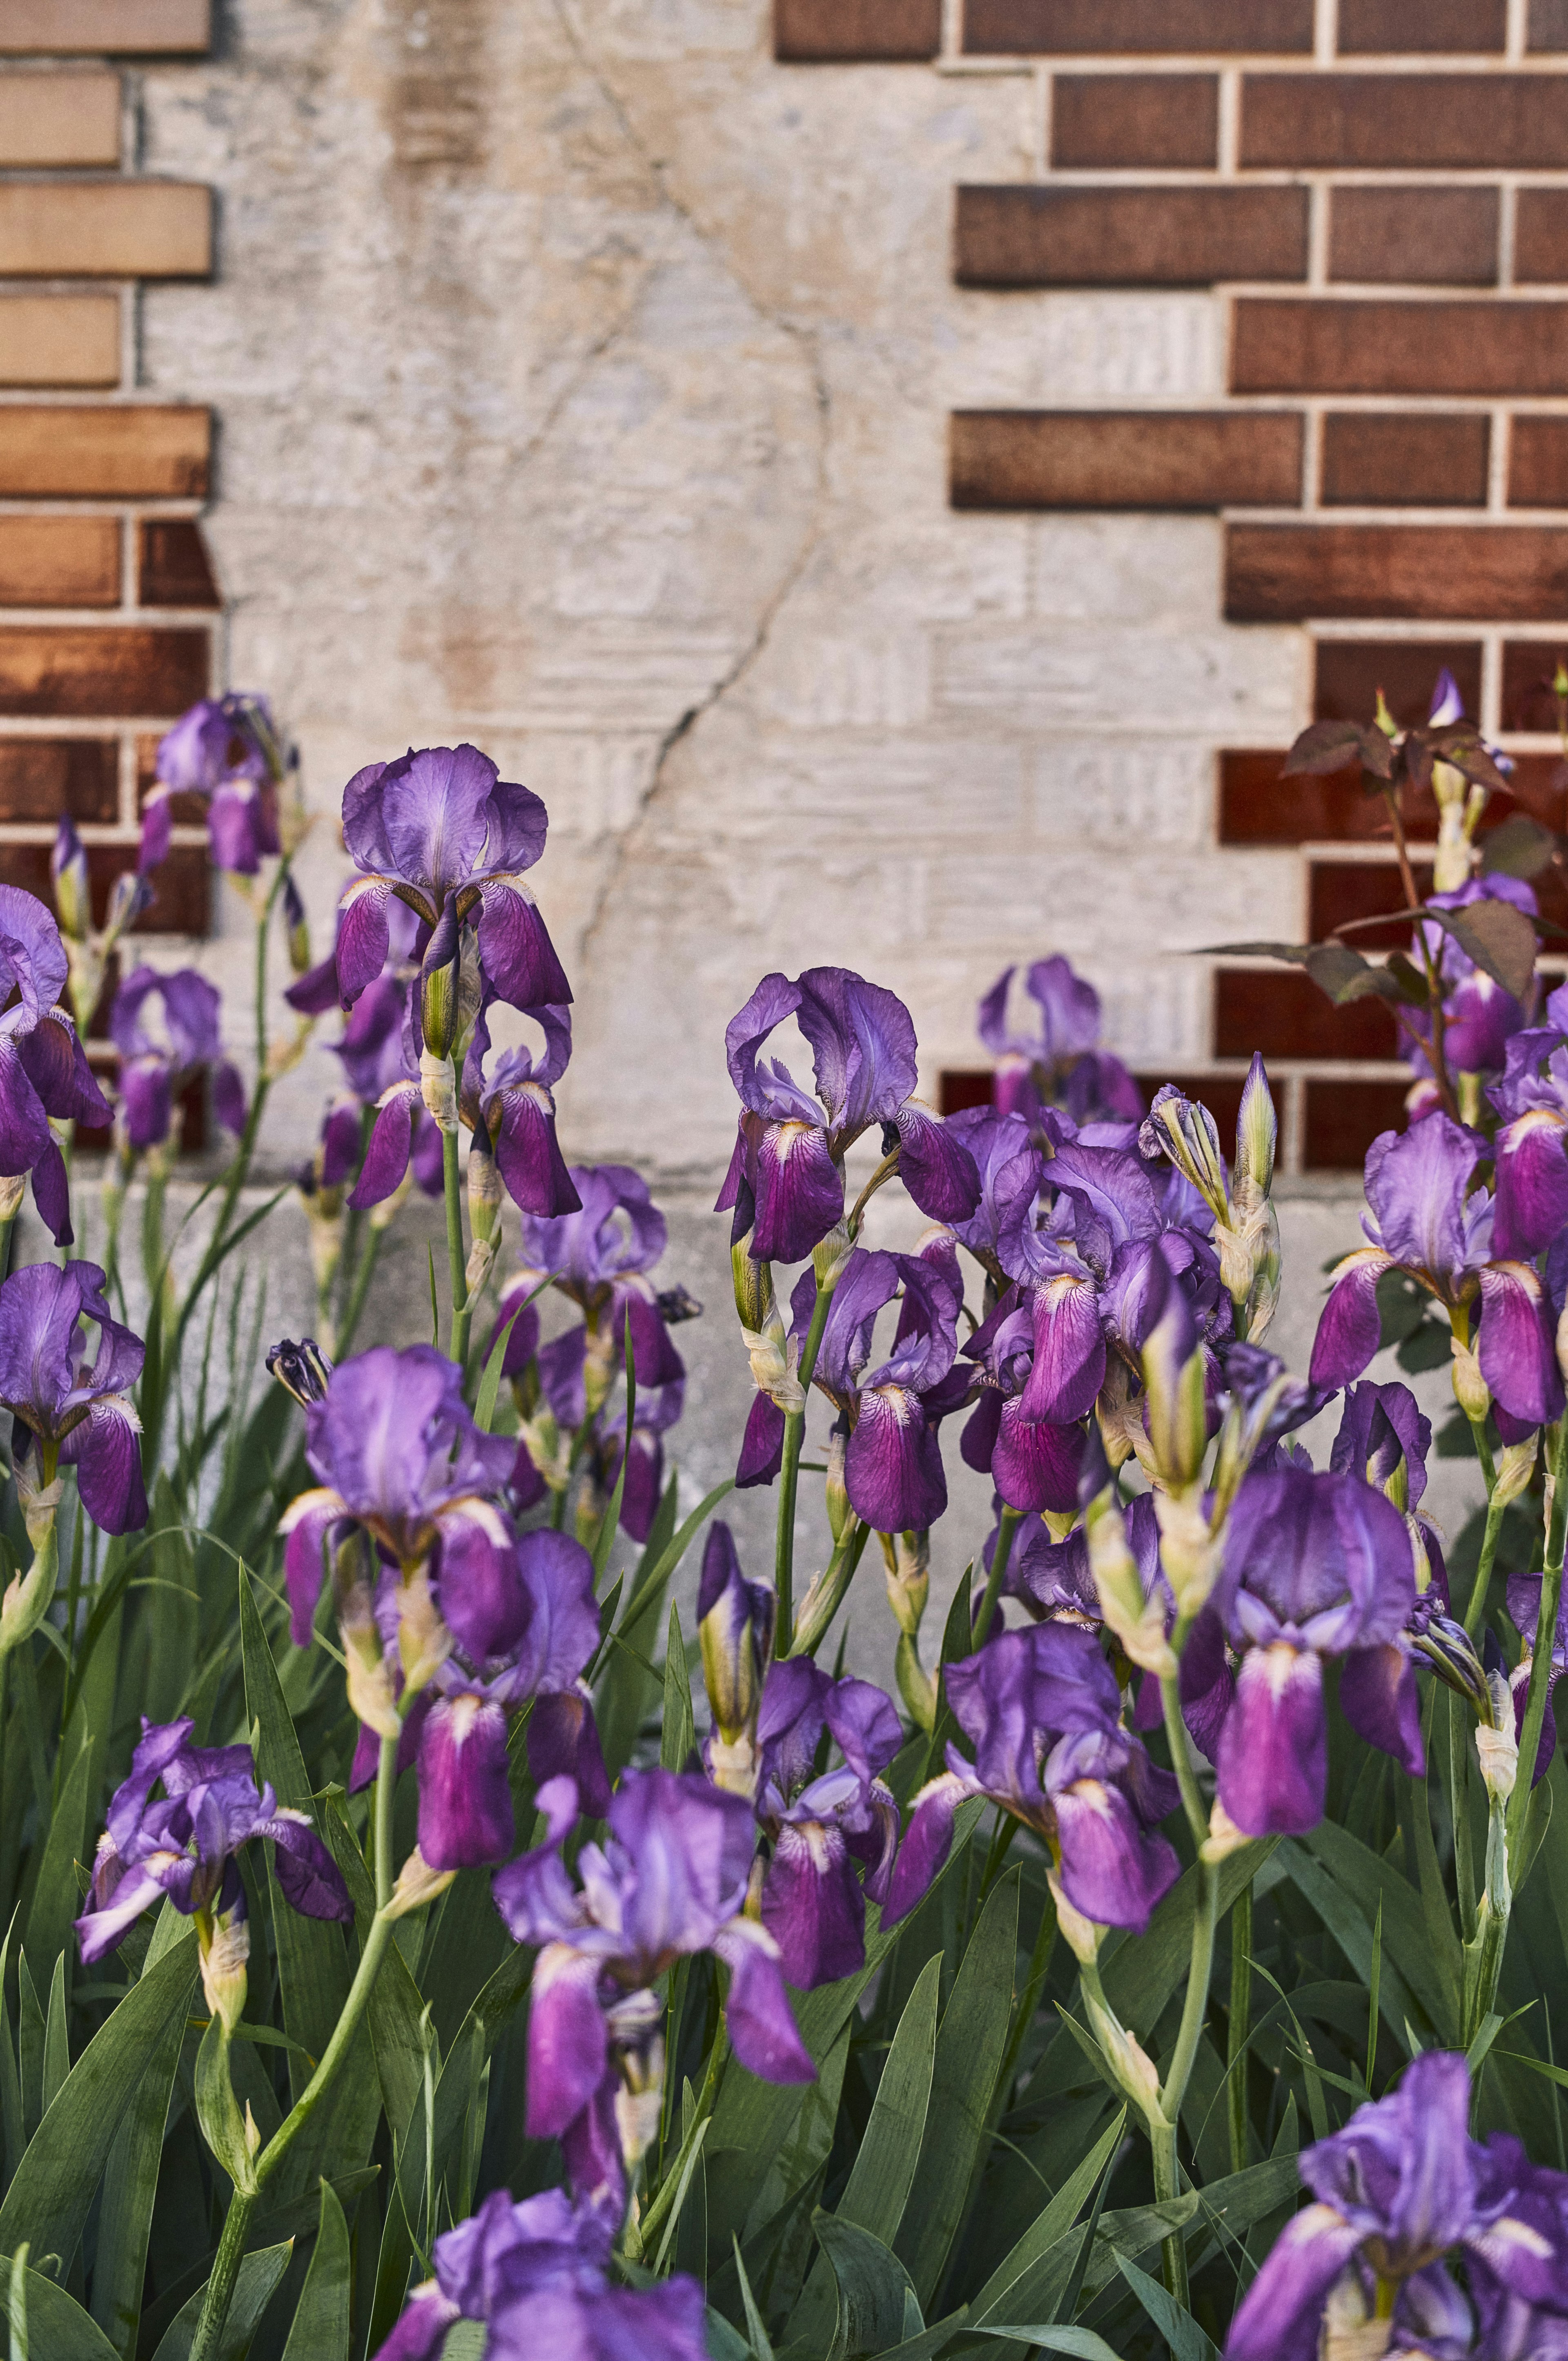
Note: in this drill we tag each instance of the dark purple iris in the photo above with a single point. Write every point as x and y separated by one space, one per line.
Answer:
442 832
538 2275
73 1414
1058 1062
1402 2186
821 1825
1480 1015
157 1064
1042 1710
787 1169
226 750
184 1845
43 1067
1532 1168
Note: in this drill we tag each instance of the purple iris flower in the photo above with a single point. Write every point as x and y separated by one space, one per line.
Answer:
1314 1566
43 1067
377 1058
788 1164
1427 1220
1033 1461
1012 1169
514 1107
226 750
446 834
155 1068
598 1256
1400 2187
523 1624
670 1880
1059 1063
1481 1016
814 1905
78 1415
399 1455
538 2275
1532 1168
1524 1613
658 1409
1042 1710
185 1844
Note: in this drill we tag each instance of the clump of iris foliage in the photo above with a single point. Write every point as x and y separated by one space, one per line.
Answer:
417 1942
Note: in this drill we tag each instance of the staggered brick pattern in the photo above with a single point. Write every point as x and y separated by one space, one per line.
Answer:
107 593
1377 193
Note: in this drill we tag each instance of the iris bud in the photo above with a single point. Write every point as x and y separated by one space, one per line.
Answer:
438 984
1137 1622
1257 1130
839 1509
1470 1387
297 926
417 1884
1515 1469
68 870
1184 1130
302 1369
223 1967
1177 1415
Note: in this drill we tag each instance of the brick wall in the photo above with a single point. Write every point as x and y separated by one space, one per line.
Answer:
107 596
1377 190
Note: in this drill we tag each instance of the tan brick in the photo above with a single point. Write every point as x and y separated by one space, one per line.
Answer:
1287 573
59 118
60 561
106 229
1020 236
1128 459
124 27
122 450
114 670
59 340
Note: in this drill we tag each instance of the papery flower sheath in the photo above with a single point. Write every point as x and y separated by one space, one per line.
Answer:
442 832
43 1067
69 1412
790 1148
158 1062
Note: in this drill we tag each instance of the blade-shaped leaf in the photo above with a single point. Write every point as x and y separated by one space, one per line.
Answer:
55 1897
130 2188
253 2289
1028 2278
873 2289
678 1734
320 2330
1181 2332
58 2328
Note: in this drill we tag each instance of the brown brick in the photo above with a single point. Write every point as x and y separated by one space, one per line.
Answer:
173 568
1284 573
856 32
104 229
1548 25
1429 28
181 883
1516 121
186 811
1538 463
964 1086
1137 27
1026 237
1541 238
66 118
110 670
1344 1118
1101 122
1416 237
1281 1012
1282 346
150 450
1126 459
1383 458
59 340
1344 893
124 28
62 561
41 778
1348 674
1528 667
1258 804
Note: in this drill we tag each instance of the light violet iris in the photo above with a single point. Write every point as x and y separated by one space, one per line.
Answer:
820 1827
786 1175
538 2275
442 832
1058 1061
1401 2187
70 1411
185 1844
1012 1168
227 751
158 1062
1426 1219
1043 1712
43 1067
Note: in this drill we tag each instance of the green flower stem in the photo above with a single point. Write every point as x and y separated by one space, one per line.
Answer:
789 1474
1241 2013
1541 1658
817 1613
208 2342
457 1259
363 1275
1010 1520
7 1235
1028 2000
1483 1953
1477 1607
1484 1453
1167 2163
1181 1761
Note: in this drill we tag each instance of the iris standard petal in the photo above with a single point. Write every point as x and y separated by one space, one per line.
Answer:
1518 1347
1349 1326
391 1143
1273 1757
464 1795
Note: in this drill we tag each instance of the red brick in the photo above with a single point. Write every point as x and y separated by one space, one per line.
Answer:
856 32
191 1105
1382 121
1426 236
173 568
1428 27
41 778
117 670
1349 674
1538 463
1103 122
1541 238
1137 27
1282 573
1548 25
960 1087
1375 458
60 561
1344 1118
182 883
1341 893
1026 237
1259 805
1281 1012
1125 459
1528 667
1284 345
1538 785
